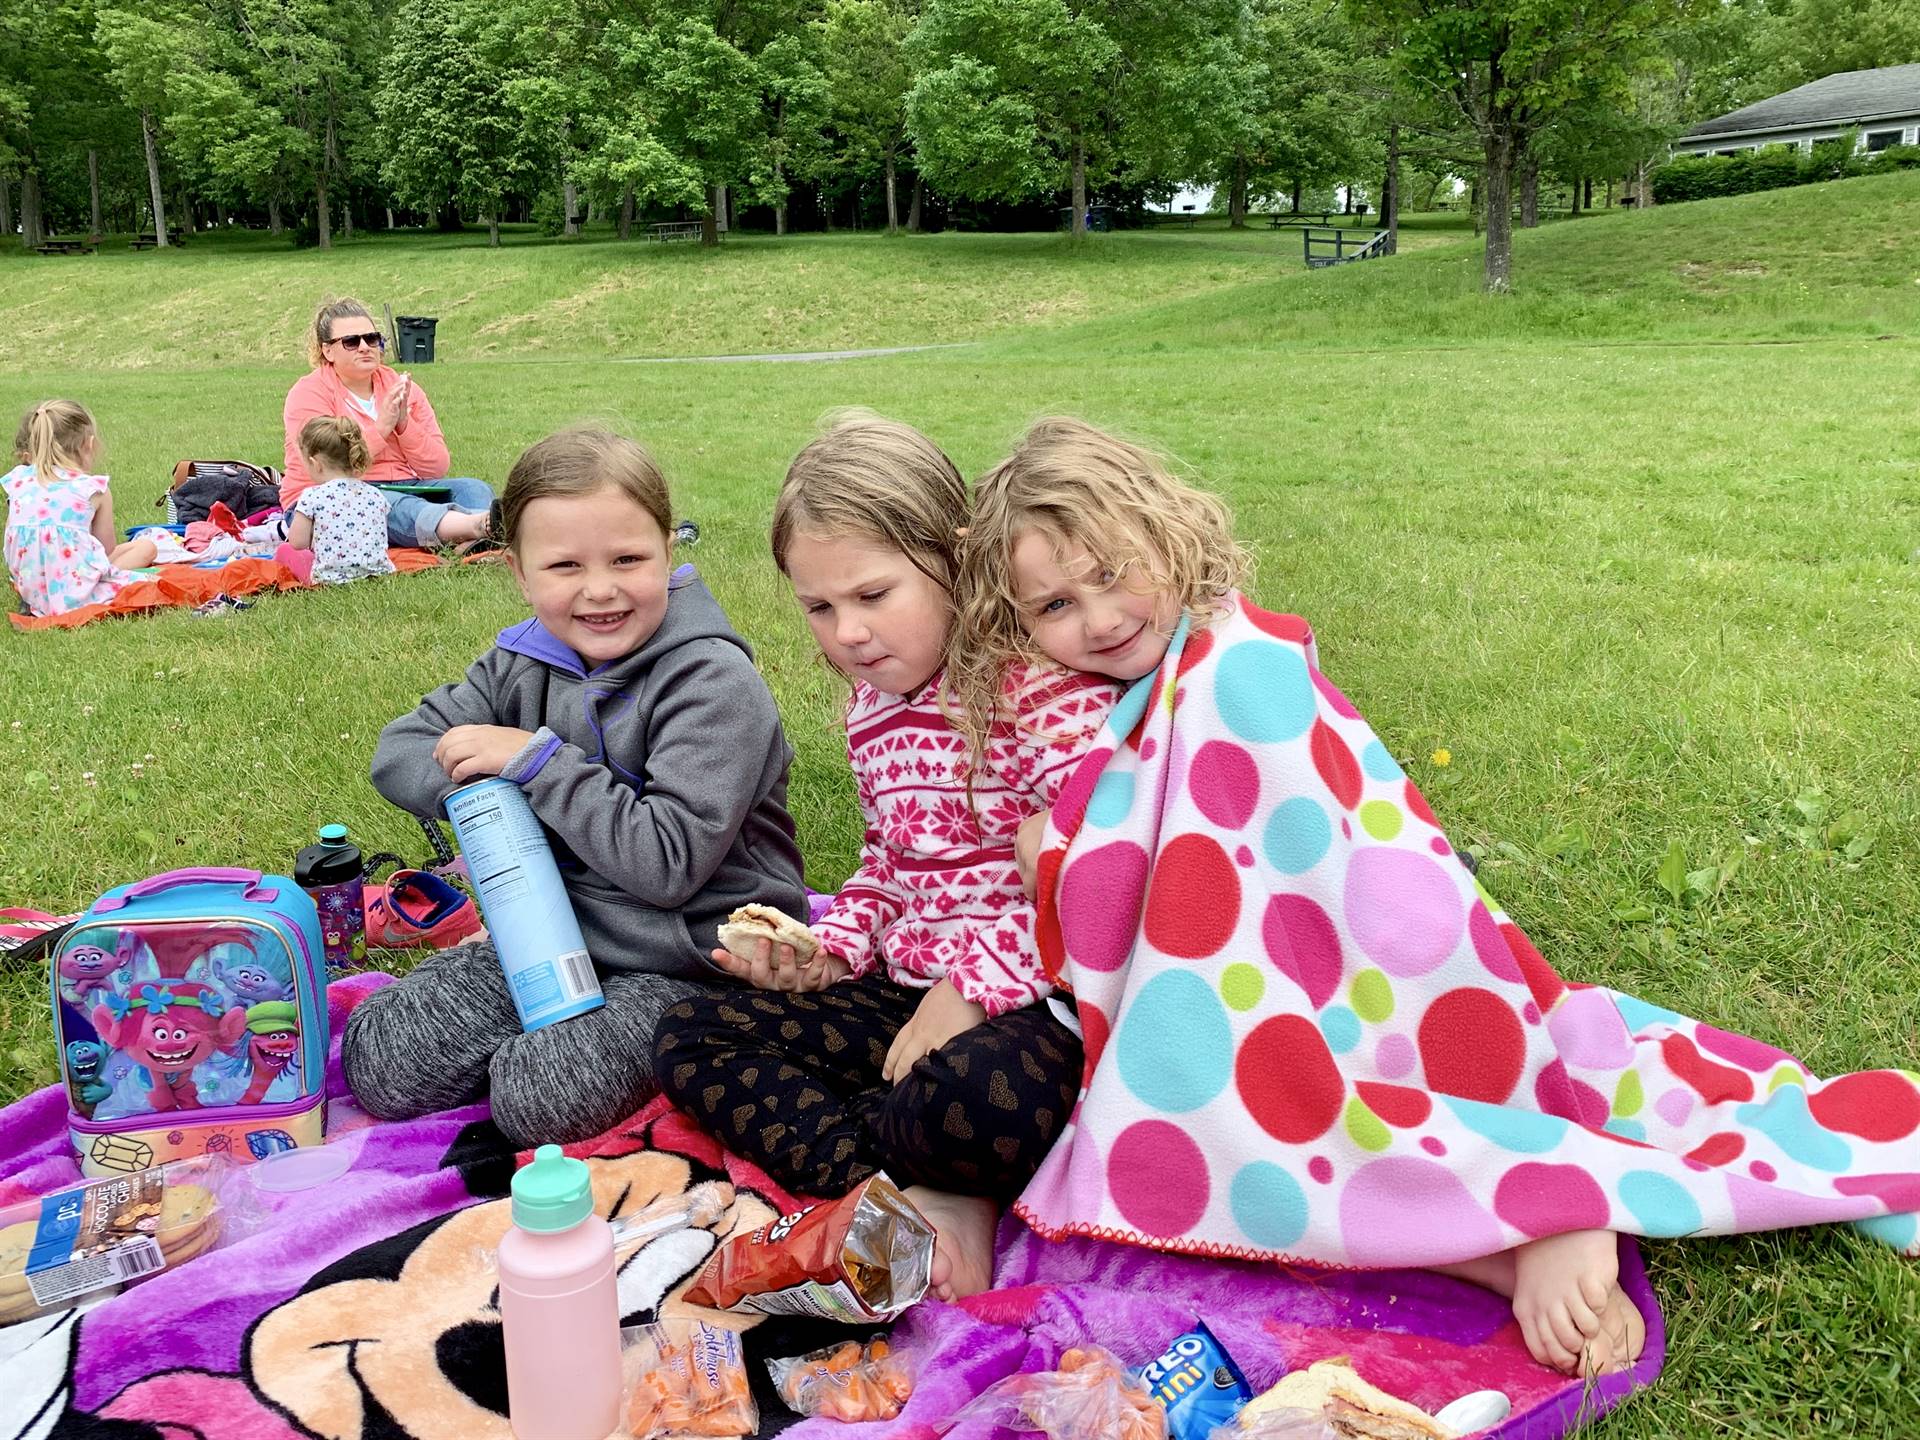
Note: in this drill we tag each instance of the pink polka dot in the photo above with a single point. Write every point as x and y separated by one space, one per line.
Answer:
1147 747
1403 909
1402 1211
1760 1170
1433 1145
1675 1106
1489 944
1395 1056
1346 827
1321 1169
1530 1013
1244 857
1100 897
1754 1054
1158 1178
1588 1032
1439 846
1341 705
1548 1199
1302 942
1071 808
1224 783
1691 1163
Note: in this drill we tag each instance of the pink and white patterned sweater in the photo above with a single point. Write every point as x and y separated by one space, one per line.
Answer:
938 894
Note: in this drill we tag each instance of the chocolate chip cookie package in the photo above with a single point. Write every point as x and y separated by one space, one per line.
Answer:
56 1249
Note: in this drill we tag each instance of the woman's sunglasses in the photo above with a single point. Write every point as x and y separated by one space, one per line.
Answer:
354 342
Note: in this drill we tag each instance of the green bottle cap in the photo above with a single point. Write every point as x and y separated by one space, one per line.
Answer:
553 1193
333 834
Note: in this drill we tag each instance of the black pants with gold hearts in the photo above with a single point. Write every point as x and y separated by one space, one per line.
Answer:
793 1083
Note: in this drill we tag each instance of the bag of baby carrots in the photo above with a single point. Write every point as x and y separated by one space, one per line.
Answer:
685 1377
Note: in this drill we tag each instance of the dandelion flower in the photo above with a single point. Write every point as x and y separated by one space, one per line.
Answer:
1443 758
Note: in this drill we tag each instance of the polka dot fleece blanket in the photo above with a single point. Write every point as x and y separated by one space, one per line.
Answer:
1310 1036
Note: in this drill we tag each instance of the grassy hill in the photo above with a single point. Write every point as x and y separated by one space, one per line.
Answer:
1636 546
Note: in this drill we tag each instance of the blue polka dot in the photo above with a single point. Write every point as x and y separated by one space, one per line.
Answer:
1298 833
1125 715
1899 1231
1786 1120
1379 763
1640 1016
1268 1205
1660 1204
1175 1046
1263 691
1631 1129
1112 799
1341 1027
1526 1131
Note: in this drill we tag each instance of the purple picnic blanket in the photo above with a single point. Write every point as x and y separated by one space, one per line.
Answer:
364 1308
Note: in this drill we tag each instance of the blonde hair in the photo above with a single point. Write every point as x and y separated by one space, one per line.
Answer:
1077 485
878 479
320 333
51 436
584 461
338 441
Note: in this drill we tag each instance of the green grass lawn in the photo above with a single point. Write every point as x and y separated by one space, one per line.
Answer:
1637 547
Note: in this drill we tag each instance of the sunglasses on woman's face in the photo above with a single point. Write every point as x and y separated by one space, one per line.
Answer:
354 342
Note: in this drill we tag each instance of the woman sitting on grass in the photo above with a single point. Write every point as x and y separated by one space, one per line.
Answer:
404 443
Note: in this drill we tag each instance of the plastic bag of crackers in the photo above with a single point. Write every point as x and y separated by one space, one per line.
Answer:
59 1249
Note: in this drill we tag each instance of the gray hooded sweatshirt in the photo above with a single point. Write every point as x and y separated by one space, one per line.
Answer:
661 778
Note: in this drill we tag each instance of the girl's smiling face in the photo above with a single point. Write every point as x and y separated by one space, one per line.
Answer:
875 615
1084 618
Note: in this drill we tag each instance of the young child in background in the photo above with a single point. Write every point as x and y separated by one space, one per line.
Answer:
60 546
917 1041
1087 550
338 529
632 718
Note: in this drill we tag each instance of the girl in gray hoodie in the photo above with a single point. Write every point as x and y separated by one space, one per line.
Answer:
632 718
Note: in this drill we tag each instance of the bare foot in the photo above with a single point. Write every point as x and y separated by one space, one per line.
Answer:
1562 1285
1623 1335
963 1248
459 526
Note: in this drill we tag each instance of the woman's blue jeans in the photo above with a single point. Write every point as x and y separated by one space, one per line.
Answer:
412 521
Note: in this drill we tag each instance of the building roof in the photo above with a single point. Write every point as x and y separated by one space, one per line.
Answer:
1837 99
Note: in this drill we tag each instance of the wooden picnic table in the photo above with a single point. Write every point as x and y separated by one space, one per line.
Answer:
1281 218
668 231
53 246
151 241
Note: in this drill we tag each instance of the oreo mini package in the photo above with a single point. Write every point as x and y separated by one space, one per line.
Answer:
1197 1383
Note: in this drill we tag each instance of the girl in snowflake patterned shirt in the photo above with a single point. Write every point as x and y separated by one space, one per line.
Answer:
915 1042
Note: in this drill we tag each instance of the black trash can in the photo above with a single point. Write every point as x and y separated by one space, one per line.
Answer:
416 338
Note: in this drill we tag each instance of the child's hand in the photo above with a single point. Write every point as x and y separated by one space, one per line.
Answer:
943 1013
784 971
1026 849
467 752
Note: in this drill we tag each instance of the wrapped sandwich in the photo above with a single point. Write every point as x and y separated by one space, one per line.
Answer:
1349 1406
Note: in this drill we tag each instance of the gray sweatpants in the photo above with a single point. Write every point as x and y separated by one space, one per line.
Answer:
446 1035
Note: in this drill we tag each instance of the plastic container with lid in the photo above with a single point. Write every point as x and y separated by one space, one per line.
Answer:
331 873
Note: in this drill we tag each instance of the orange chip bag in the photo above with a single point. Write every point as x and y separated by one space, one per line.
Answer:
685 1377
850 1381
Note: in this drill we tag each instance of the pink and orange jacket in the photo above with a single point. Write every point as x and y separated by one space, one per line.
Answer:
418 452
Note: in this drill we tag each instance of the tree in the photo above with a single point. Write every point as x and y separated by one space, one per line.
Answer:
1808 39
1510 66
863 48
143 51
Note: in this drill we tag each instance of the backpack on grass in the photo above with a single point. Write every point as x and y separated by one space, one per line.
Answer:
191 1014
245 489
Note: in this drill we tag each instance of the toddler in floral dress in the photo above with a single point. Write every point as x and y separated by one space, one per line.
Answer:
340 518
60 547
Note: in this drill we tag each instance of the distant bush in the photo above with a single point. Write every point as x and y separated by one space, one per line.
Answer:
1703 177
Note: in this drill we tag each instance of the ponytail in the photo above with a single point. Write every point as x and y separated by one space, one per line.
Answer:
338 441
52 436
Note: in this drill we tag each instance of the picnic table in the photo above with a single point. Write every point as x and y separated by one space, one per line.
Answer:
668 231
54 246
1281 218
151 241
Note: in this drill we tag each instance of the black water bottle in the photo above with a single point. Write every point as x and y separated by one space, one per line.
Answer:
330 873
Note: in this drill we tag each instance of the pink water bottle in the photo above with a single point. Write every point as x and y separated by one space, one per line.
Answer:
559 1311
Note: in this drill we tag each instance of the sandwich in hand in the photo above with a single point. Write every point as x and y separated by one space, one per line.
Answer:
748 926
1350 1406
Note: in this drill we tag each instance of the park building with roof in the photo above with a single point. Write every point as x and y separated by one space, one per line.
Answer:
1882 105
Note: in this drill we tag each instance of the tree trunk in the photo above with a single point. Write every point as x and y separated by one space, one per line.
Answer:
1588 182
1530 192
893 198
346 217
6 208
626 213
32 232
1237 195
570 203
273 214
1079 184
1390 190
1296 197
720 206
1643 192
493 227
1474 189
93 189
1609 193
1573 190
323 212
153 179
447 219
915 205
709 222
1498 277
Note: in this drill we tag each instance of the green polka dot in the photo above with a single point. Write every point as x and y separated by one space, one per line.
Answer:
1365 1127
1381 819
1785 1075
1241 986
1629 1097
1372 996
1485 898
